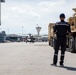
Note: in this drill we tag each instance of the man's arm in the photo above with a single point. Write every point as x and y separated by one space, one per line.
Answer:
69 30
55 29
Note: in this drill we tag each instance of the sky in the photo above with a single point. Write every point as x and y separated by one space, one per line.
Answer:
23 16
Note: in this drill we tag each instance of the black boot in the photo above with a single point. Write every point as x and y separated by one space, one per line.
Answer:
62 61
55 59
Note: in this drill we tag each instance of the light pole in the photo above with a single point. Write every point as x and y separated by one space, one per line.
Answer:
0 9
22 30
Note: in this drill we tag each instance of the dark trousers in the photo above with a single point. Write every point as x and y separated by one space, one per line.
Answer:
59 42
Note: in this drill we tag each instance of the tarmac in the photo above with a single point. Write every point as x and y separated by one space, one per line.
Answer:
33 59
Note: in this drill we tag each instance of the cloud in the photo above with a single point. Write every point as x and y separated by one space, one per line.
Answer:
28 13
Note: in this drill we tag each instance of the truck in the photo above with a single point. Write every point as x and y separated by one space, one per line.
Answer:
71 40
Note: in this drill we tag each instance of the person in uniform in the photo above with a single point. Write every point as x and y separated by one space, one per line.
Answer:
61 29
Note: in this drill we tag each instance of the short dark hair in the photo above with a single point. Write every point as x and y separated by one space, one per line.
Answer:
62 15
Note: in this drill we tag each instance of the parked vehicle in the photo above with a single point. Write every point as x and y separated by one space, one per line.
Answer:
71 40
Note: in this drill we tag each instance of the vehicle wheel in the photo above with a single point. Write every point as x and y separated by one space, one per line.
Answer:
75 45
49 43
71 44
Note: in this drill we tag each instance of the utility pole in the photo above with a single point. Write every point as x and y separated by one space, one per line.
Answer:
0 9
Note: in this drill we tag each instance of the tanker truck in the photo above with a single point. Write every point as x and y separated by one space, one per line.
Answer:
71 40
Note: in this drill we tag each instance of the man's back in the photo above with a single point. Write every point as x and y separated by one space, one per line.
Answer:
61 28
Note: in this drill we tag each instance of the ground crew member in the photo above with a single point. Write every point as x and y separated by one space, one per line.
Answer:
61 29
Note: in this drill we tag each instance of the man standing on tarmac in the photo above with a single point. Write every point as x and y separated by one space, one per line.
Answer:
61 29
